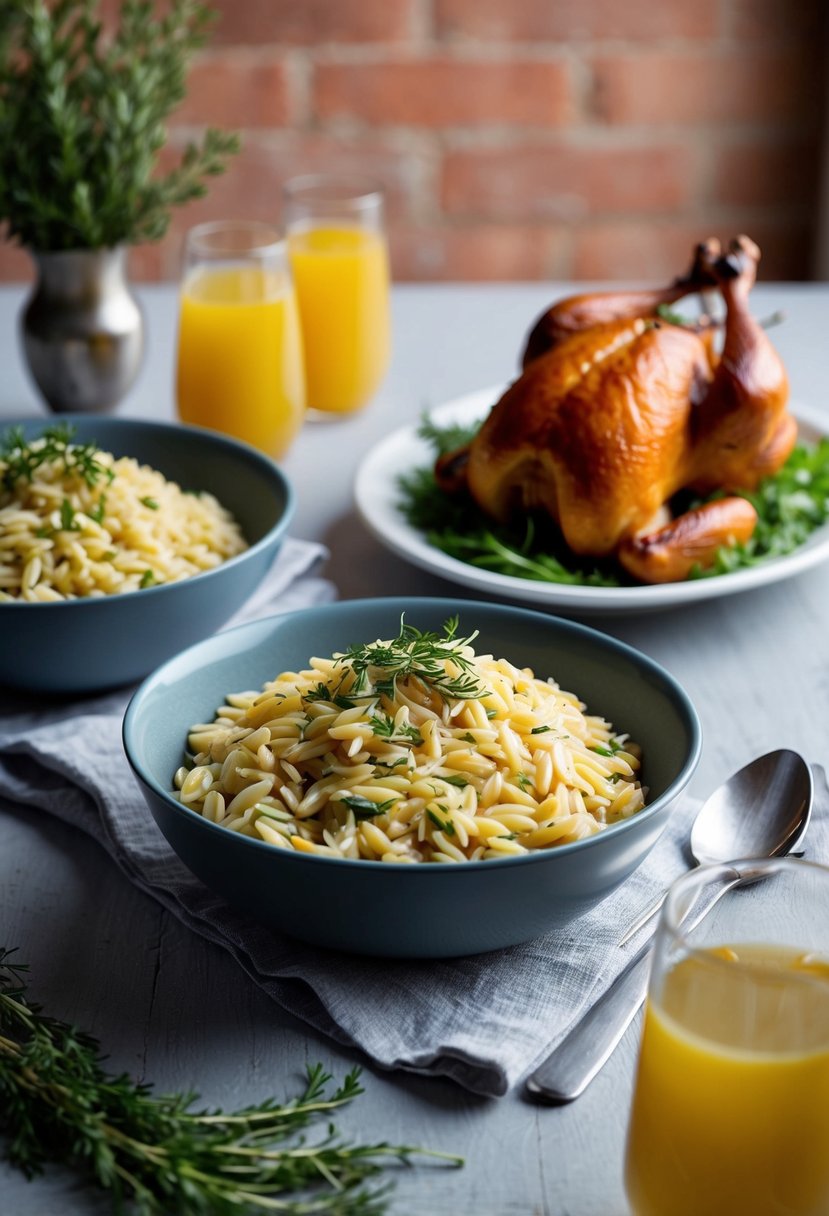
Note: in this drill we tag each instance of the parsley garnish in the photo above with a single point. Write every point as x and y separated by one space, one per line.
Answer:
364 808
147 579
448 827
791 505
152 503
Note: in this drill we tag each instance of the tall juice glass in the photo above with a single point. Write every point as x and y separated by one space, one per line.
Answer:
340 266
240 363
731 1109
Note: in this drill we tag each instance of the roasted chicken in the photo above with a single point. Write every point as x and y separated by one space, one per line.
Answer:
619 408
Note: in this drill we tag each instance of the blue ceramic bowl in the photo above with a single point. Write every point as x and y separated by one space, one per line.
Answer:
88 645
424 911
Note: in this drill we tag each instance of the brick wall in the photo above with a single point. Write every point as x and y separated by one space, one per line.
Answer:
524 139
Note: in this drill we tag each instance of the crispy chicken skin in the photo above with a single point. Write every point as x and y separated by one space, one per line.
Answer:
617 409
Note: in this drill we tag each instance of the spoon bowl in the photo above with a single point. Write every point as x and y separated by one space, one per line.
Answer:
763 810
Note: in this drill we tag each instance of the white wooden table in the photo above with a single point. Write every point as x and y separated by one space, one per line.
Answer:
174 1010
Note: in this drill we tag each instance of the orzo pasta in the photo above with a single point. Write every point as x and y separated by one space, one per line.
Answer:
77 522
410 750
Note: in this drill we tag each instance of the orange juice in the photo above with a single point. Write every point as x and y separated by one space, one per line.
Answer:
240 355
341 276
731 1111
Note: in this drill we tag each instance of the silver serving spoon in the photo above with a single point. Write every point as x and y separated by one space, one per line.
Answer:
762 811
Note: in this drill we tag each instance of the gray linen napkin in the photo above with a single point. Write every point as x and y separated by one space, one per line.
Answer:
482 1021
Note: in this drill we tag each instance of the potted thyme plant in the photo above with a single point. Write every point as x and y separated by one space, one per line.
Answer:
82 123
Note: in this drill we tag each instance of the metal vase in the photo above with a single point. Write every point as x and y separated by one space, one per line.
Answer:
82 328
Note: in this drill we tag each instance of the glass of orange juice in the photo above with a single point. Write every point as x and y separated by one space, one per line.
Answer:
240 363
340 266
731 1108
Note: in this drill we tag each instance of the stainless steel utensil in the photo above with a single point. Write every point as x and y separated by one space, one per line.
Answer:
740 818
762 811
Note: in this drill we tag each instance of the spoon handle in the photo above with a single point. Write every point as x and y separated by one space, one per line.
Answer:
572 1065
574 1062
643 919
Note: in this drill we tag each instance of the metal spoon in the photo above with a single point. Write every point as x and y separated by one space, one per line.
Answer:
762 811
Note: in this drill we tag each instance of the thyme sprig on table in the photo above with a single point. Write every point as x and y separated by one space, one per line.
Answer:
438 662
155 1154
791 505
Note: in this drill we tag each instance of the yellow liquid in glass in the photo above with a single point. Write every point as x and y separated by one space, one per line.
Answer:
731 1111
341 275
240 356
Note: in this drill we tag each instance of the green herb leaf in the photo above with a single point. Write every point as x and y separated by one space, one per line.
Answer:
384 728
364 808
84 113
158 1153
791 505
435 660
147 579
446 826
98 511
540 730
152 503
23 457
68 522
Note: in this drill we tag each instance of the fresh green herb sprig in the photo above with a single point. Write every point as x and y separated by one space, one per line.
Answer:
155 1154
791 505
83 120
385 727
23 457
416 655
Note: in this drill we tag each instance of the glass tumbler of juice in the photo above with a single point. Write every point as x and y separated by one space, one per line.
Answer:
731 1108
340 265
240 364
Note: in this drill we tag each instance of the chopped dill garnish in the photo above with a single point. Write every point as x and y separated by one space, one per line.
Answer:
147 579
436 661
791 505
152 503
601 751
525 782
457 779
540 730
